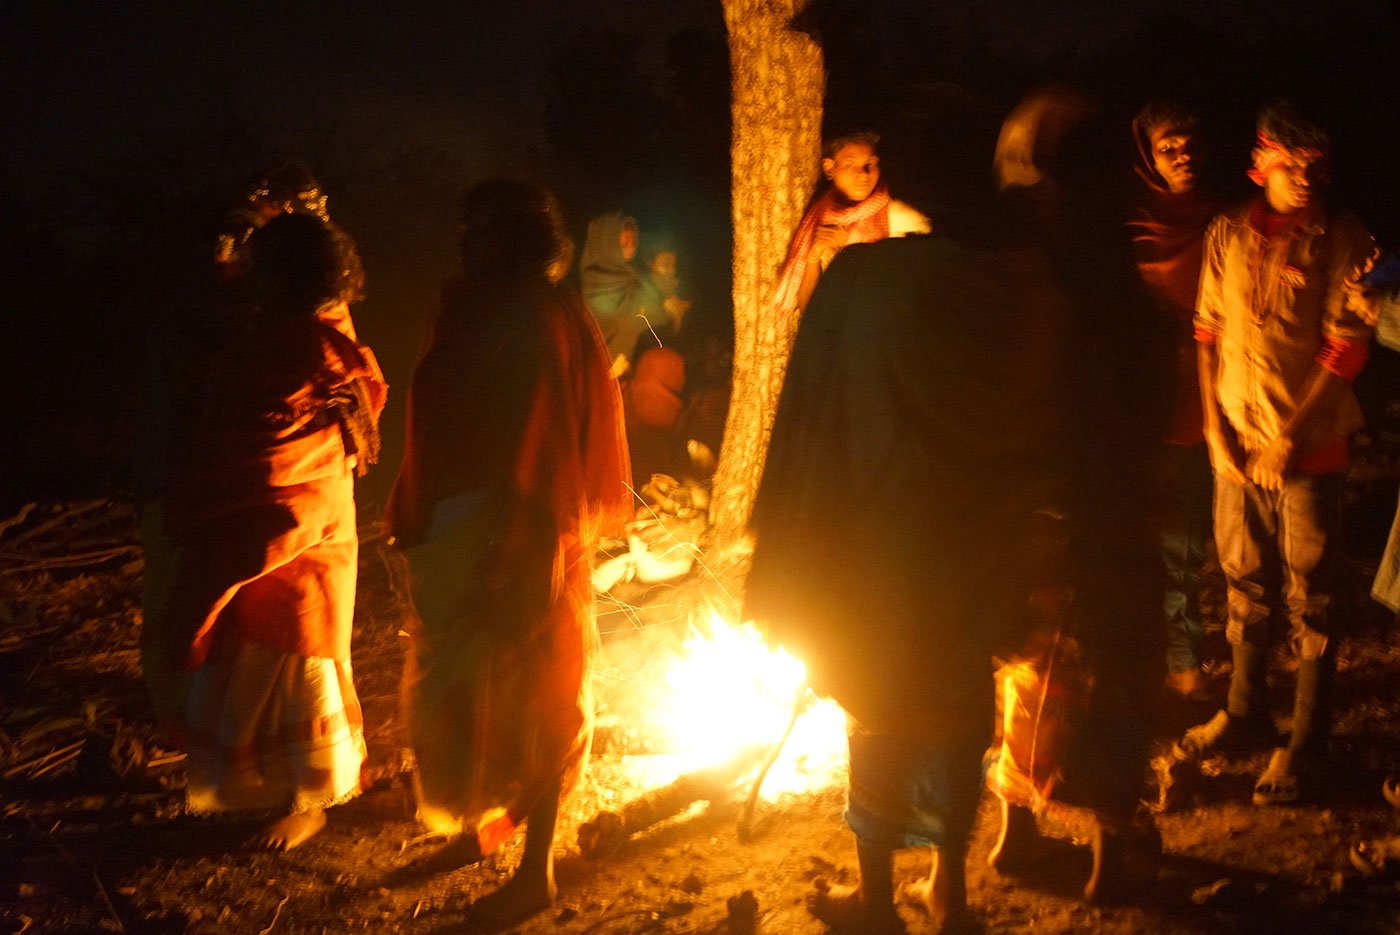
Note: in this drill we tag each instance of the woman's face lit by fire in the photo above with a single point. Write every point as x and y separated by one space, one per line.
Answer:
854 171
1173 152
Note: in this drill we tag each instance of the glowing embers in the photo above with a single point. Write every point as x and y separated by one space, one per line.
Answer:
723 692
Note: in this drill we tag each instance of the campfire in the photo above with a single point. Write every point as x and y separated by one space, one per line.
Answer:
724 715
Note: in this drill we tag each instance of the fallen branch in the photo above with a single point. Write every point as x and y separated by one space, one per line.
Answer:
17 519
74 510
800 704
81 560
43 761
608 831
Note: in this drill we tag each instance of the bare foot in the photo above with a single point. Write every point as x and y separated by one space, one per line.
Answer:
516 900
843 909
290 830
1019 842
458 852
1125 862
942 897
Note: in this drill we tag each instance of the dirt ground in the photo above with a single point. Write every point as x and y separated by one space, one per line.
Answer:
94 838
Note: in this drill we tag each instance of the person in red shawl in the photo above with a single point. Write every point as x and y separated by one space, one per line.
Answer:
264 513
515 461
855 208
1168 226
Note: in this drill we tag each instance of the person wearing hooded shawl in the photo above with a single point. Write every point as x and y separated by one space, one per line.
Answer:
619 292
515 462
911 454
263 513
1168 225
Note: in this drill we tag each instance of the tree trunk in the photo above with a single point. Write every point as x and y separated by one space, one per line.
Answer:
777 85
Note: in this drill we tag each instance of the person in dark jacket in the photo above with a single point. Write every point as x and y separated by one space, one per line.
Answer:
941 394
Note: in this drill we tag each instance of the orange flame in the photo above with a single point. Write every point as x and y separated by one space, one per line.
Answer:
727 690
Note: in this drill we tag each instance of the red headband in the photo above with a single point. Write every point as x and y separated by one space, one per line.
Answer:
1269 154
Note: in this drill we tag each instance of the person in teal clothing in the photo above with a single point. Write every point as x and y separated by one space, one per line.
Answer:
618 291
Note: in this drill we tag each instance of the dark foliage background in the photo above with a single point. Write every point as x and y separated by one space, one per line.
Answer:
134 127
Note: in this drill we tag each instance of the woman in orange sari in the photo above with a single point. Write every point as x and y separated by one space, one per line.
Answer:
515 461
264 592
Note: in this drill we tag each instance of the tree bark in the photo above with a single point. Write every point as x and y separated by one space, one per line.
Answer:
777 85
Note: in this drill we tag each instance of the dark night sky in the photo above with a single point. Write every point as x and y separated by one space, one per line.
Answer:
399 108
92 79
88 79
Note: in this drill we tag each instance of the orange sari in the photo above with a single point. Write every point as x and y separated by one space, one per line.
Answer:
264 591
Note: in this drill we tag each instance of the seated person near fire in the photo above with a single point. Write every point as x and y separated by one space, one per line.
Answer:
626 298
856 207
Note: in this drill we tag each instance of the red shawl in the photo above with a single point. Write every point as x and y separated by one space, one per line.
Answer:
1168 232
865 222
513 394
265 512
513 399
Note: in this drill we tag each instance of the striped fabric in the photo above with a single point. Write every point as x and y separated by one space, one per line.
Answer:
269 730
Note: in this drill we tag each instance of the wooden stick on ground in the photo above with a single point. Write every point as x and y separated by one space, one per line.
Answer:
607 831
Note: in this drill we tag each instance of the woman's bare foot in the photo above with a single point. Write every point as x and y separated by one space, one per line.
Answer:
517 899
844 909
291 830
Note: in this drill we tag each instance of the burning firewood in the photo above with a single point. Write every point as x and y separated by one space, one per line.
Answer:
608 831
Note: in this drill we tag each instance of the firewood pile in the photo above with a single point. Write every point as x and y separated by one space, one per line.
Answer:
69 616
72 703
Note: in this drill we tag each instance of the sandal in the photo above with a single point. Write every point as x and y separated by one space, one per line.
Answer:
1377 857
1281 782
1390 789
